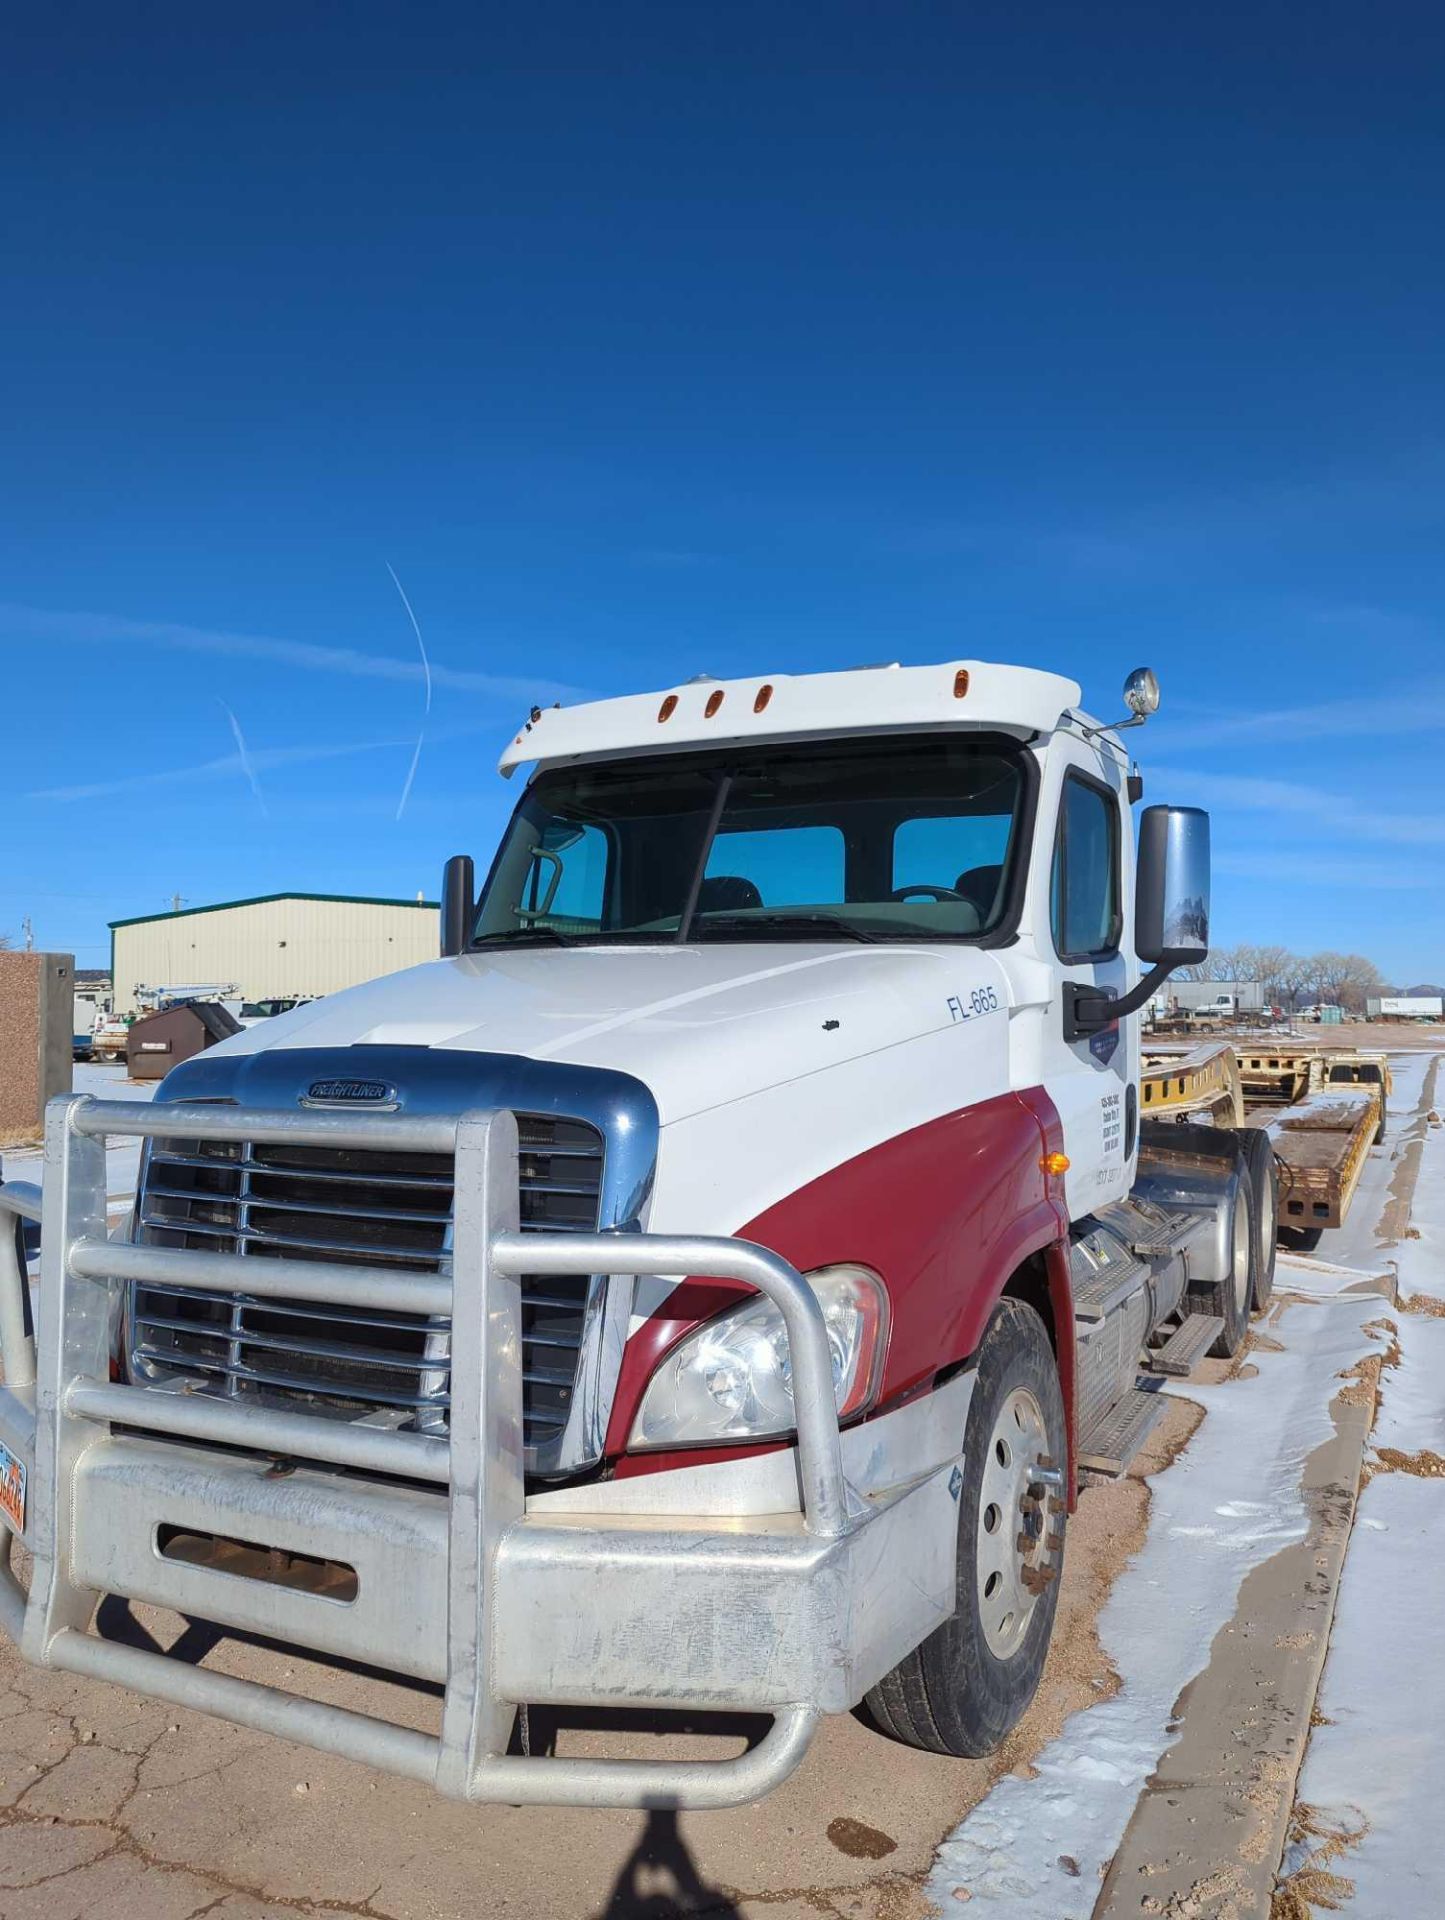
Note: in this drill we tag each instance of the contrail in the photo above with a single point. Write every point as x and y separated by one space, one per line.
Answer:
104 629
247 767
426 703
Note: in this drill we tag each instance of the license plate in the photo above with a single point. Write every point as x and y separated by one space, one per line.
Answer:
12 1489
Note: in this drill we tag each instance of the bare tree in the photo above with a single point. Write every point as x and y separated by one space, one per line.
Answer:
1358 978
1220 964
1324 970
5 943
1272 965
1289 977
1295 976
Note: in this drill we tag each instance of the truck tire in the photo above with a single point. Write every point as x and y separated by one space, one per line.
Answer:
1264 1181
1232 1297
971 1681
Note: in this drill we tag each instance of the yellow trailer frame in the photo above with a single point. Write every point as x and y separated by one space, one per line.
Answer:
1322 1106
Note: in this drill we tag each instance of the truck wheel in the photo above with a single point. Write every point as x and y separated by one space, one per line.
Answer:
1231 1297
970 1682
1264 1182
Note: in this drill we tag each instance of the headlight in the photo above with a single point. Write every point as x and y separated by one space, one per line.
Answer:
733 1378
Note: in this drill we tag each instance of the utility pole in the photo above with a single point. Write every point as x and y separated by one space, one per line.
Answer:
176 903
29 932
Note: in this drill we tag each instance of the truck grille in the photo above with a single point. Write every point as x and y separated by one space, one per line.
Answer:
361 1209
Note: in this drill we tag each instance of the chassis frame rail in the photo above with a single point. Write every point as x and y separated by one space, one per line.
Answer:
59 1411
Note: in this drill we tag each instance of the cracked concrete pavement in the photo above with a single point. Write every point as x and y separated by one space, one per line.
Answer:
116 1808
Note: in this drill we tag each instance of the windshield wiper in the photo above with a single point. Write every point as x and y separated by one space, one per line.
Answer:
522 936
801 923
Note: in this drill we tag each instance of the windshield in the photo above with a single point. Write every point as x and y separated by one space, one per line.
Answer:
910 838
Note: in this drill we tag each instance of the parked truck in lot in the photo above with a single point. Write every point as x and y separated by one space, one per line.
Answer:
1401 1006
706 1286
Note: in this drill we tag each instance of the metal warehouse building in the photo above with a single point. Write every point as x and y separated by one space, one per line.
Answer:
277 946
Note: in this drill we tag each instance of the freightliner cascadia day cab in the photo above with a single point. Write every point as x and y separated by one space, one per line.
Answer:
706 1286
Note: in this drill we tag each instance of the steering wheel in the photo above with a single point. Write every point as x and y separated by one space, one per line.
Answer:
939 893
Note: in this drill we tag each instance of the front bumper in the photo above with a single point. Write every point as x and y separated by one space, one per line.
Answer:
451 1578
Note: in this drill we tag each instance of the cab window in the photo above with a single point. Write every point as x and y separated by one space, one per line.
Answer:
566 883
776 866
1084 898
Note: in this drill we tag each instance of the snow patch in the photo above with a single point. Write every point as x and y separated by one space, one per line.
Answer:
1421 1254
1407 1074
1373 1768
1159 1624
1412 1393
1320 1279
1377 1764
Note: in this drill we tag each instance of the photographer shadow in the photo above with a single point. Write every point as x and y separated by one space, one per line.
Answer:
659 1879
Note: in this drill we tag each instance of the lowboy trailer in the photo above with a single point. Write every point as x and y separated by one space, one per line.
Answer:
706 1286
1324 1108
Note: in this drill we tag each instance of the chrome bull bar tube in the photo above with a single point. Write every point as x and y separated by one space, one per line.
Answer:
820 1465
95 1497
19 1201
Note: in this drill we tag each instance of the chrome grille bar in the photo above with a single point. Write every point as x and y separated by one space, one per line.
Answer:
234 1191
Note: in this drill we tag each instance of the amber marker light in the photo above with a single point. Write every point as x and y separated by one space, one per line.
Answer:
1055 1163
960 683
764 695
714 701
667 709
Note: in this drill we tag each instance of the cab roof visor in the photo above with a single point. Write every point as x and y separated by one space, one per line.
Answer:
1022 700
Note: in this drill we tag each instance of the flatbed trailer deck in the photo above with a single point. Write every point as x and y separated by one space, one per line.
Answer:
1323 1108
1322 1147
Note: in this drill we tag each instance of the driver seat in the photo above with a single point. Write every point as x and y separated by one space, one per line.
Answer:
727 893
980 887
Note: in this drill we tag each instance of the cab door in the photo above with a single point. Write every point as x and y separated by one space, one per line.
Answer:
1088 1079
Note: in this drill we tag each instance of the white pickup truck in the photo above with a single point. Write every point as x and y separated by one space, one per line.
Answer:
706 1286
1222 1007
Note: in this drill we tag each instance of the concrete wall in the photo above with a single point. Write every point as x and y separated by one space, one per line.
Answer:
272 948
36 1027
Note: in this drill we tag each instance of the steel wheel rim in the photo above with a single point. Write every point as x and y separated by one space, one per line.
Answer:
1267 1227
1013 1557
1241 1255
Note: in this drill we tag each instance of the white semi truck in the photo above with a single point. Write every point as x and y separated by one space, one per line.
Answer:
706 1286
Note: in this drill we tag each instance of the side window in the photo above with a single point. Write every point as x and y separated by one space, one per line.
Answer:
567 880
1084 897
776 866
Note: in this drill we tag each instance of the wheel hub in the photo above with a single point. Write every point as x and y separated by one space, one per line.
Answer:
1017 1548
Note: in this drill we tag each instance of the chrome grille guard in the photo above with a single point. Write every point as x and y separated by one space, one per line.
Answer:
454 1580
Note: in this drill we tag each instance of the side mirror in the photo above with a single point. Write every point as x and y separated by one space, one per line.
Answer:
1171 898
1171 916
459 904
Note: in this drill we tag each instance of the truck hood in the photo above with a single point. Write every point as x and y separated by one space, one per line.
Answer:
699 1025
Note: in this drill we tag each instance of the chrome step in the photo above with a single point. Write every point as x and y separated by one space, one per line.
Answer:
1186 1346
1114 1441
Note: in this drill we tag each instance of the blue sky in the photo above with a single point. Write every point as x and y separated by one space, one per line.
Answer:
645 340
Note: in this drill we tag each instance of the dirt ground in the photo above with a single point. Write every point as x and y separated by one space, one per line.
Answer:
116 1808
